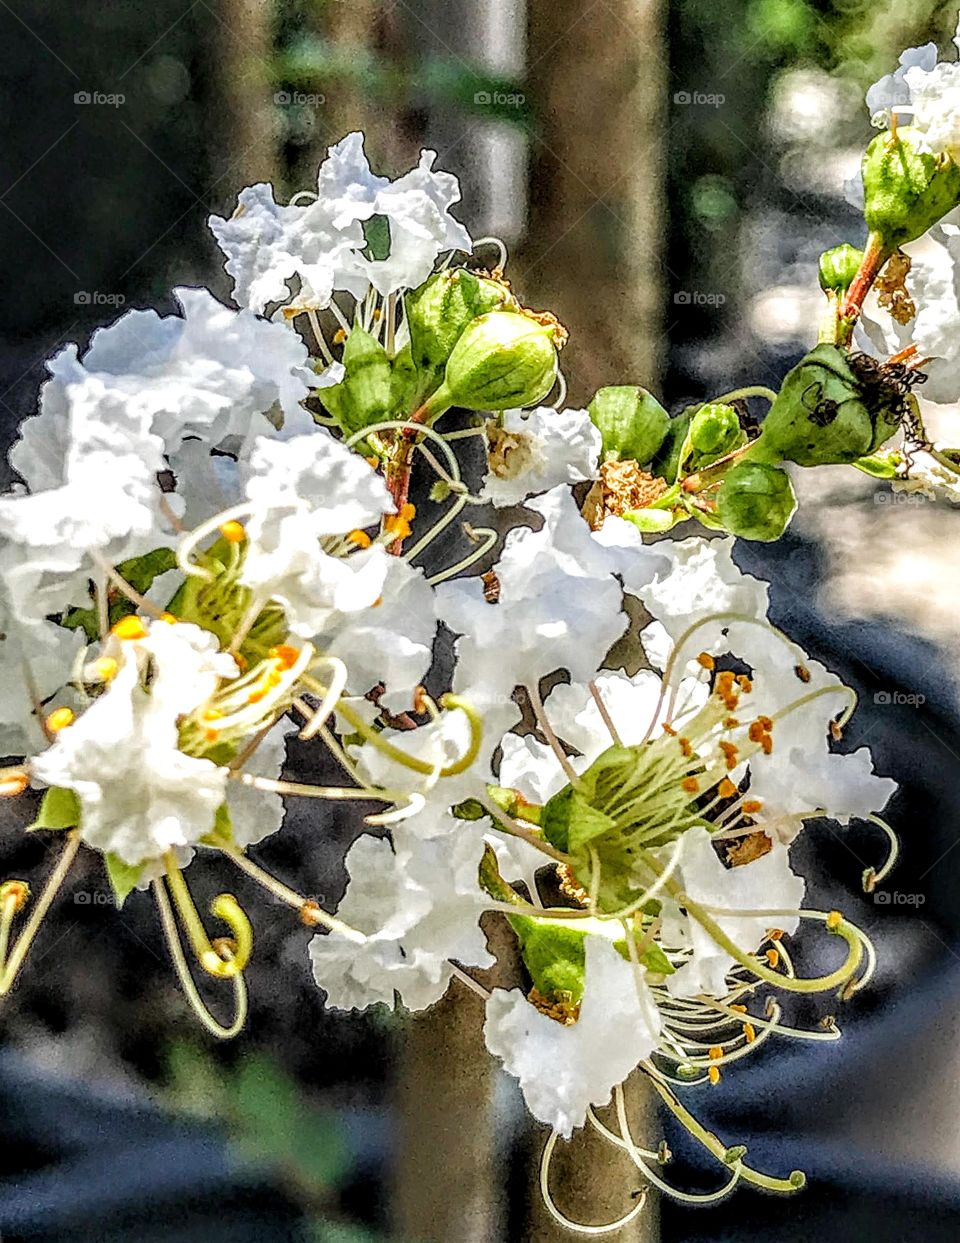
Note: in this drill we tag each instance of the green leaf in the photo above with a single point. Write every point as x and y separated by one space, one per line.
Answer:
139 572
123 877
59 809
374 388
376 230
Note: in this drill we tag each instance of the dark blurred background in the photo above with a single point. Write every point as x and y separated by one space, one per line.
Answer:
665 176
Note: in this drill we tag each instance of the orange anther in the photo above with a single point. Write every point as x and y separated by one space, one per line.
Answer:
372 461
211 735
690 784
706 661
766 722
756 731
731 722
750 1032
13 784
340 336
668 729
739 1009
715 1053
751 806
744 683
16 892
129 628
834 920
713 1074
686 747
766 744
775 934
168 618
773 957
286 654
233 532
360 538
726 788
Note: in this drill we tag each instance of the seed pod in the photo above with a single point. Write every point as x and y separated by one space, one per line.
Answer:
756 501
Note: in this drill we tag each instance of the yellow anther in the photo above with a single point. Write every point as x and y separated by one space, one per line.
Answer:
212 714
360 538
211 735
706 661
715 1053
340 336
773 957
378 314
834 920
713 1074
372 461
749 1032
13 784
739 1009
233 532
129 628
105 668
169 619
59 719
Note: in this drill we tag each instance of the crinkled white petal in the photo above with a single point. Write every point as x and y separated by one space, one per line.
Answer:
765 884
892 93
551 447
564 1069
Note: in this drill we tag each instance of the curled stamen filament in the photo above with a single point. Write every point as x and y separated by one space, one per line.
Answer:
561 1218
172 937
224 907
485 539
872 876
189 542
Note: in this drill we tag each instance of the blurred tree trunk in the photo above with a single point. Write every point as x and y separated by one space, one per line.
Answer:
593 1183
248 150
597 78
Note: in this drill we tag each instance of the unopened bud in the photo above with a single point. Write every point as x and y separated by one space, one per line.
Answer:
715 429
756 501
838 267
631 422
504 359
440 310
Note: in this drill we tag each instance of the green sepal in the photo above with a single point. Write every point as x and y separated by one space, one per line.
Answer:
631 422
569 821
879 465
222 832
375 388
906 189
654 521
59 809
139 572
123 877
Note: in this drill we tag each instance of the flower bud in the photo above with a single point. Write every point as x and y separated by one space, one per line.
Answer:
439 311
715 430
833 407
906 189
503 360
374 387
756 501
630 420
838 267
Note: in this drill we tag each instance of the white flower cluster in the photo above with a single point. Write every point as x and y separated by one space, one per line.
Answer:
192 567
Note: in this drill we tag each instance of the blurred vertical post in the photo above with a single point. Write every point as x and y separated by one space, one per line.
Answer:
594 254
246 111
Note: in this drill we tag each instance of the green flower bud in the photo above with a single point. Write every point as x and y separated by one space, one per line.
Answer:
832 407
838 267
715 430
502 360
443 306
756 501
654 521
906 189
375 386
631 421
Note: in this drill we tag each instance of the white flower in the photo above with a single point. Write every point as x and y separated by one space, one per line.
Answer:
139 794
390 644
564 1069
305 492
559 605
256 814
419 908
535 451
766 884
891 93
321 242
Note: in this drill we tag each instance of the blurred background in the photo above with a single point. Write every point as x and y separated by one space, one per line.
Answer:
665 176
